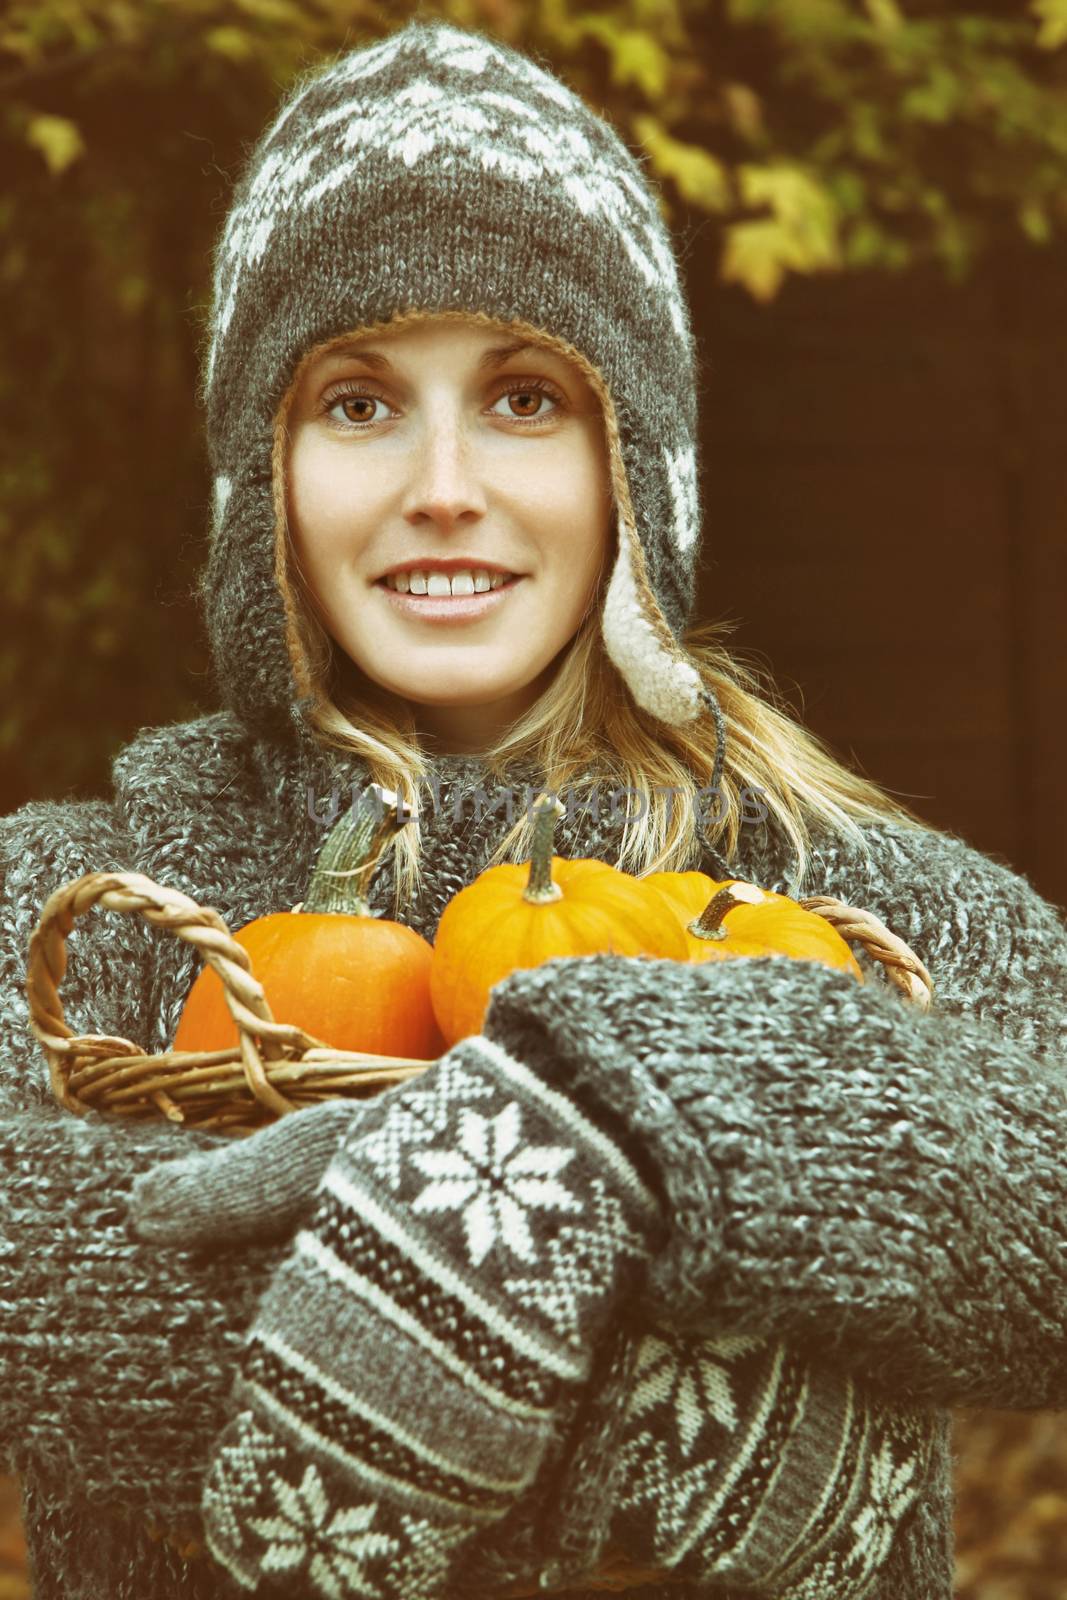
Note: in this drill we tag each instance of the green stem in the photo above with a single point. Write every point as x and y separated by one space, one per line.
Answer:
540 889
709 924
350 856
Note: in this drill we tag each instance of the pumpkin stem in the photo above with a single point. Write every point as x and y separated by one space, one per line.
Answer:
709 924
350 856
540 889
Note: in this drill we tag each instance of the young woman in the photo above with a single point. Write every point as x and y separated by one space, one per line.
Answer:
679 1264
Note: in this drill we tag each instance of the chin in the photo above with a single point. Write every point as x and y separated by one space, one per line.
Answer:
460 694
444 684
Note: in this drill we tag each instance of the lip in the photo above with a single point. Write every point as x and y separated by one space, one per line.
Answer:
449 564
448 608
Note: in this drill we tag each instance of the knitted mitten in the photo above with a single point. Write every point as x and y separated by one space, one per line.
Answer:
249 1191
742 1462
469 1240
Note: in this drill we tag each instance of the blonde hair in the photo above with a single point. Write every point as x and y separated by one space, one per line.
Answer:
585 729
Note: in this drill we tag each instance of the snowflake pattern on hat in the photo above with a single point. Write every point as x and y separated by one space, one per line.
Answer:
387 156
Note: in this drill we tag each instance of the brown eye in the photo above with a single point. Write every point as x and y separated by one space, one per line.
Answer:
533 401
530 402
355 410
355 401
525 402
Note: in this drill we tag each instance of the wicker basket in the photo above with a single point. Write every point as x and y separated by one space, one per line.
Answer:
275 1068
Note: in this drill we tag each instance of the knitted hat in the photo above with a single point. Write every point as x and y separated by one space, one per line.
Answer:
441 171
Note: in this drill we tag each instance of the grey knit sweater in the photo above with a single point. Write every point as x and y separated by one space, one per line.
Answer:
874 1191
881 1188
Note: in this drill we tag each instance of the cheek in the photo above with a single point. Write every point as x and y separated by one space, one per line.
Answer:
594 519
322 502
571 502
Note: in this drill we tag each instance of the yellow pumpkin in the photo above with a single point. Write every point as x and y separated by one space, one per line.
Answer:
518 915
330 966
735 918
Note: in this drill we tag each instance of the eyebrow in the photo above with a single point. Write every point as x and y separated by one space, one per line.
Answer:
490 358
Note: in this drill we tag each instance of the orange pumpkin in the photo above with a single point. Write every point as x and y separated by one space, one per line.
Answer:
515 915
330 966
734 918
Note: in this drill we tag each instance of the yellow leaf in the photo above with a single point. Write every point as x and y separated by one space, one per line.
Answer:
885 14
1052 15
866 245
57 138
800 235
1034 221
231 42
636 57
657 13
744 110
564 29
639 58
755 255
126 21
800 203
14 41
664 17
272 11
802 19
701 179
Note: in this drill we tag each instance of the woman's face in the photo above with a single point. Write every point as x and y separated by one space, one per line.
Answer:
448 445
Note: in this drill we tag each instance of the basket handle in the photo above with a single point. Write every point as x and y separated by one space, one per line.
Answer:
902 965
200 926
205 930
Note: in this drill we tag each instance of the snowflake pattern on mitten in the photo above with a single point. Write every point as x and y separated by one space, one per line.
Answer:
400 1379
719 1434
335 1547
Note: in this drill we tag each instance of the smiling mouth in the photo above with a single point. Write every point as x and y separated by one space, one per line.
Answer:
439 586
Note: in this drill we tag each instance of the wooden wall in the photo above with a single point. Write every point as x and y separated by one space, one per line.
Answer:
885 484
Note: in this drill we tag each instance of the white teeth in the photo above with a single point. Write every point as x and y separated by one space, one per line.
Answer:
438 583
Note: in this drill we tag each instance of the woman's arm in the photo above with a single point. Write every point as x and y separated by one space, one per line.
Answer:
884 1187
116 1357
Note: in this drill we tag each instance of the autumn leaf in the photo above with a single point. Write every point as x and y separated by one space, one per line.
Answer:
801 234
1052 15
744 110
700 177
228 41
636 55
57 138
1034 221
884 14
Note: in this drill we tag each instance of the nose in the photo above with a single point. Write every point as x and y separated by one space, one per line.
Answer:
445 486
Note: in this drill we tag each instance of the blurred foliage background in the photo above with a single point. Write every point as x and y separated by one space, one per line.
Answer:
810 137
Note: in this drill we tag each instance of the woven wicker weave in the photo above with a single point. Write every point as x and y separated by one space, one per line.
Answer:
275 1068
